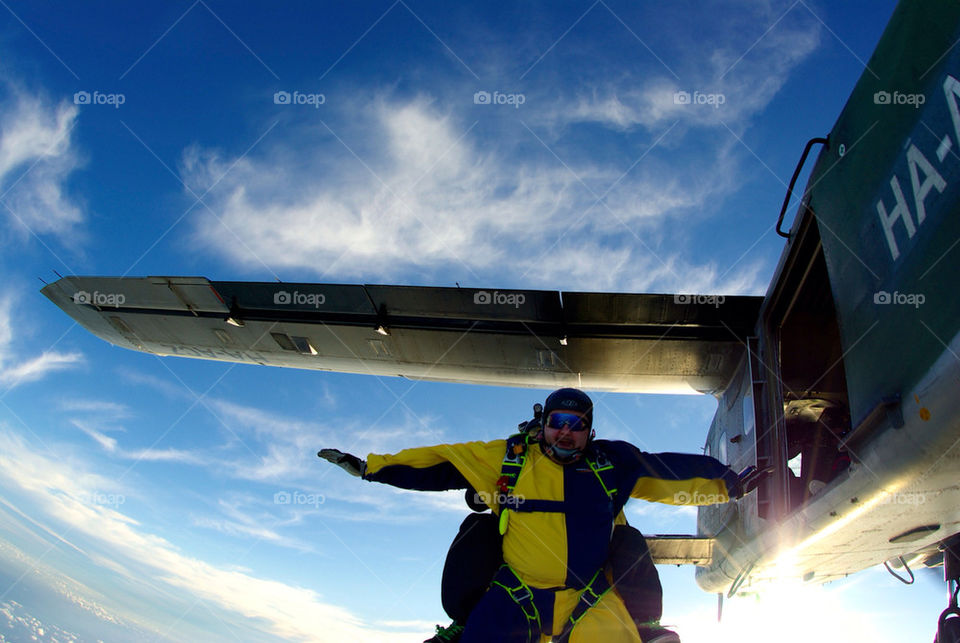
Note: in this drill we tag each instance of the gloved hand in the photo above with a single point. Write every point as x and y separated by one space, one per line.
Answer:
346 461
750 478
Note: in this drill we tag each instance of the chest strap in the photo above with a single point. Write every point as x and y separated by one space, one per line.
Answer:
515 457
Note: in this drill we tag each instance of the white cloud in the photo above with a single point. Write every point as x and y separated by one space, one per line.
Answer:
6 326
57 489
252 516
743 57
36 158
105 441
38 367
13 373
110 445
283 449
101 408
432 200
21 625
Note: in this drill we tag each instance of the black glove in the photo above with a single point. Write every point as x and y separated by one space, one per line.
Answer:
349 463
750 478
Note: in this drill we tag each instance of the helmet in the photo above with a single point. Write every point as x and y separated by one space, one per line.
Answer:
570 399
567 399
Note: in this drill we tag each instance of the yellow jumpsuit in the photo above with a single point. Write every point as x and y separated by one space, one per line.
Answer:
559 534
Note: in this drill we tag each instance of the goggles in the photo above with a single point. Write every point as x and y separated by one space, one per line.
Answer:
560 419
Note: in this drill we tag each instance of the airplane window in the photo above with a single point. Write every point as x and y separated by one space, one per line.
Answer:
748 419
722 447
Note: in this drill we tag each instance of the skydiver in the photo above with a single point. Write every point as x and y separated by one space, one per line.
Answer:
475 556
557 496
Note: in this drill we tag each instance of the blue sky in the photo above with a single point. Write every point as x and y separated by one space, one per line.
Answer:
536 146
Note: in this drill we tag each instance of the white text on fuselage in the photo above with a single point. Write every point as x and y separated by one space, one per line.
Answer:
924 178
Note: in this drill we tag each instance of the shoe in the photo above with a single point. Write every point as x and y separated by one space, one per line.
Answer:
658 635
449 634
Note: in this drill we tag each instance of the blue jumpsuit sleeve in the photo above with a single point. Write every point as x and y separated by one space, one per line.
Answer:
438 477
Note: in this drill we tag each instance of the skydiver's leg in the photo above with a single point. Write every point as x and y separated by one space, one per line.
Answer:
473 559
498 618
607 621
636 579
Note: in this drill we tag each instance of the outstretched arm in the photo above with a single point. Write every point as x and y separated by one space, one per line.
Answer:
435 468
686 479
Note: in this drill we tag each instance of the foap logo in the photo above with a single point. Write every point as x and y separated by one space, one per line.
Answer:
499 499
97 298
484 298
899 98
884 298
699 300
104 499
699 98
914 499
299 98
97 98
497 98
297 298
697 498
298 498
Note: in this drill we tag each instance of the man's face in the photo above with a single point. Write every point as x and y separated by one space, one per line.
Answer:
565 429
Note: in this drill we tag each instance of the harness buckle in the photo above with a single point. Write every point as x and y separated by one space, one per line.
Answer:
592 599
521 594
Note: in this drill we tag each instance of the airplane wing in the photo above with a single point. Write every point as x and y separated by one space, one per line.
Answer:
640 343
667 549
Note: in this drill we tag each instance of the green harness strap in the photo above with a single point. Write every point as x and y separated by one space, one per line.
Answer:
603 469
515 458
595 590
522 595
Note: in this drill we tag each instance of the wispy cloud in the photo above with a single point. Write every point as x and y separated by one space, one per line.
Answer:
250 517
100 408
57 491
431 200
109 444
112 446
38 367
37 156
742 56
281 449
594 184
15 371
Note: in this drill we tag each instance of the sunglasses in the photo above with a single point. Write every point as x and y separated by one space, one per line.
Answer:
559 419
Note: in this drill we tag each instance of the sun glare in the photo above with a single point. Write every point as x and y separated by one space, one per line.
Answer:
784 612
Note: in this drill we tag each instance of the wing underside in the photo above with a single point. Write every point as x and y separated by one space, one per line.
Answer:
646 343
681 550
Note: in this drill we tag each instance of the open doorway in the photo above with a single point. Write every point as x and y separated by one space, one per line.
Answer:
811 391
